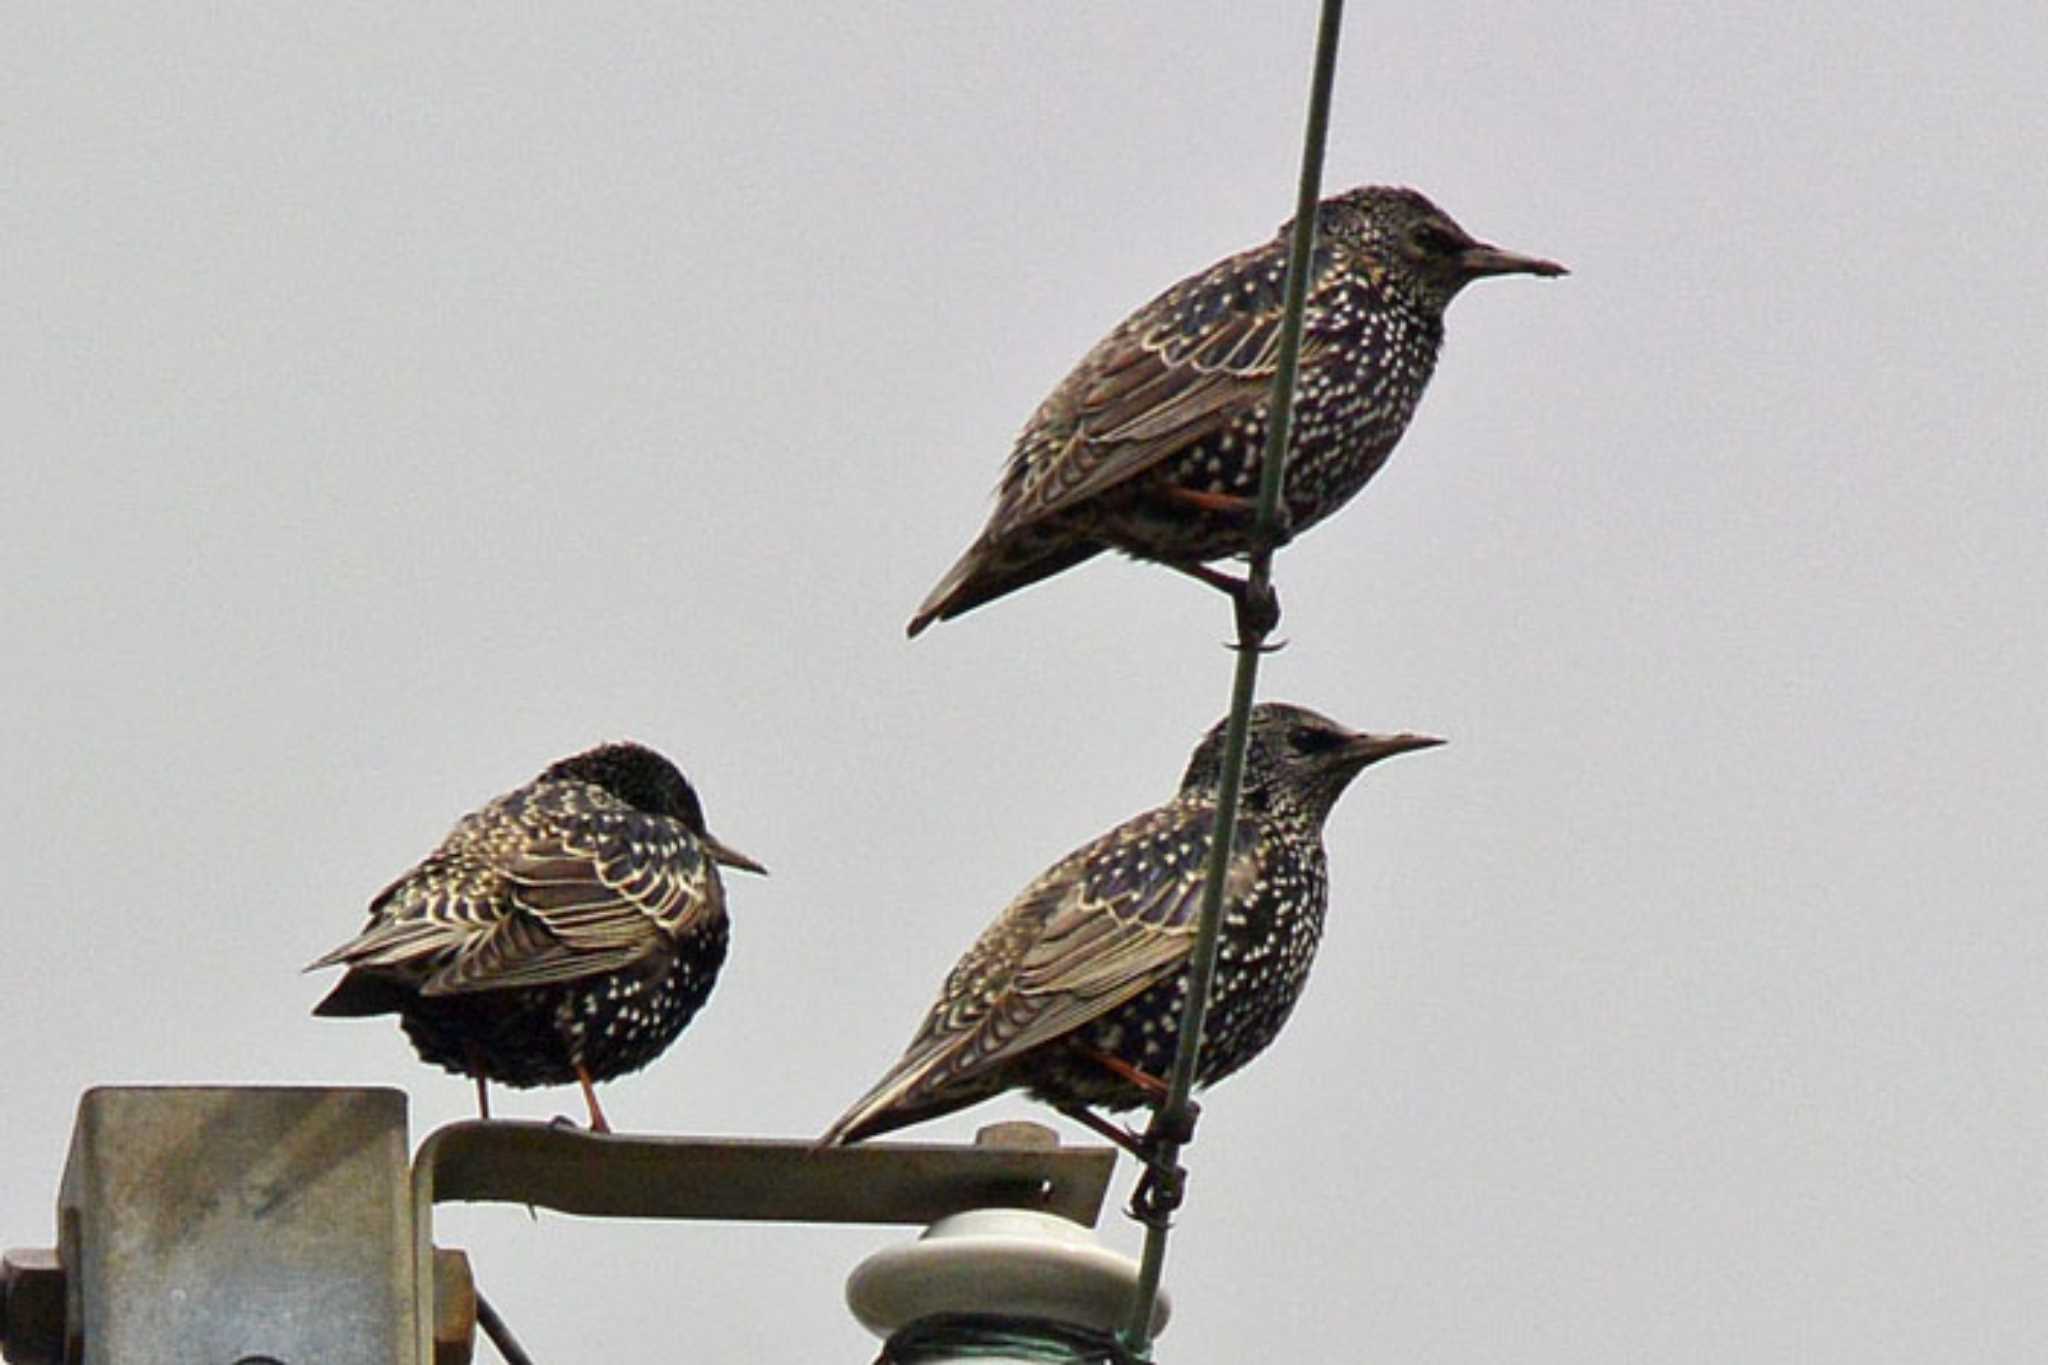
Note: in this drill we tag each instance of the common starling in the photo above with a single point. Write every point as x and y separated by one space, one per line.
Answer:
565 932
1075 992
1153 444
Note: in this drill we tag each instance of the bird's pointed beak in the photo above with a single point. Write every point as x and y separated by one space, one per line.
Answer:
1369 749
731 857
1482 259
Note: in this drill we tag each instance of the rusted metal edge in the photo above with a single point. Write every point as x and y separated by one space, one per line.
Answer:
752 1179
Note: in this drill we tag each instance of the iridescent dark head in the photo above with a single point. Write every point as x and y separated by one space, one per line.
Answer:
646 781
1422 245
1295 758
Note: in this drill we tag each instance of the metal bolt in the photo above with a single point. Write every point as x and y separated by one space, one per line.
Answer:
1018 1135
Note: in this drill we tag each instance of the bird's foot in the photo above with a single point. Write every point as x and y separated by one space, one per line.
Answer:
1258 612
1162 1188
1258 604
1160 1192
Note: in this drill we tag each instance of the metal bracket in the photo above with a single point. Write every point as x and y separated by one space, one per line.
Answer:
237 1224
743 1179
272 1224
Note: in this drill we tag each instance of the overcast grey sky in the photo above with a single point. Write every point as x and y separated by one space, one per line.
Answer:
398 398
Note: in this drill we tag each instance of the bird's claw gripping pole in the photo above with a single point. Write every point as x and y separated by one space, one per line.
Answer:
1159 1195
1256 604
1163 1188
1258 612
1173 1120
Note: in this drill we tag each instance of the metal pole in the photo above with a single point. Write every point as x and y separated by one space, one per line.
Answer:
1172 1121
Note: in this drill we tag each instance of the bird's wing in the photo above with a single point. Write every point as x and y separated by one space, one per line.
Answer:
432 910
594 896
1078 942
1109 940
1178 371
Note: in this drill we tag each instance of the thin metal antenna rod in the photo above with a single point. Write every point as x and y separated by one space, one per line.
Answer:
1172 1123
500 1335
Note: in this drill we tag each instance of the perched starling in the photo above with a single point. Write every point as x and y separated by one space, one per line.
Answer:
565 932
1152 446
1075 992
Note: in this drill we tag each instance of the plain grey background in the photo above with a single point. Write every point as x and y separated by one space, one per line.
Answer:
397 398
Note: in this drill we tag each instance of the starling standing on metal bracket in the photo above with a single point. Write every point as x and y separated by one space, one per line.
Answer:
1152 446
1075 992
565 932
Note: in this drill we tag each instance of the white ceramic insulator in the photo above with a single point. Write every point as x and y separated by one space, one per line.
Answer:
1010 1262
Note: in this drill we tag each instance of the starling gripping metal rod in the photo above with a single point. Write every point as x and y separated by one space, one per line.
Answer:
1172 1121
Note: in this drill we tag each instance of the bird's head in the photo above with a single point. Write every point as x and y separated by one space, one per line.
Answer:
1295 759
646 781
1418 243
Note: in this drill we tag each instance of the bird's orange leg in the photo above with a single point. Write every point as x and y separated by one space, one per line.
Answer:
476 1071
1231 504
1134 1143
1154 1088
1257 613
597 1123
1158 1192
1212 502
1215 578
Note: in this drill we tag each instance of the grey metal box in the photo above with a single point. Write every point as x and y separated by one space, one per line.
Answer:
210 1226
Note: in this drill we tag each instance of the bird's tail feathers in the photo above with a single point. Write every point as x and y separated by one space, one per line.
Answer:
361 994
870 1113
939 604
992 569
919 1087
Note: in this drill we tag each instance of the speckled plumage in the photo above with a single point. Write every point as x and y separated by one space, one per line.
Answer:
1153 444
1093 954
566 932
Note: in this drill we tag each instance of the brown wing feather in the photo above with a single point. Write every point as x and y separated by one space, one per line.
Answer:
521 950
586 900
1175 373
589 902
1092 958
431 909
1056 960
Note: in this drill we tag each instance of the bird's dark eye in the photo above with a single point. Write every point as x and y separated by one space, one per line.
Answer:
1306 741
1433 240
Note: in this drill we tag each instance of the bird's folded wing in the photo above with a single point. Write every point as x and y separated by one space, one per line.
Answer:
587 902
1090 954
1143 396
1092 958
415 919
591 899
520 950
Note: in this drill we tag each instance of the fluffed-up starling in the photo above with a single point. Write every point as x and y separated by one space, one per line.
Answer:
565 932
1075 992
1153 444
